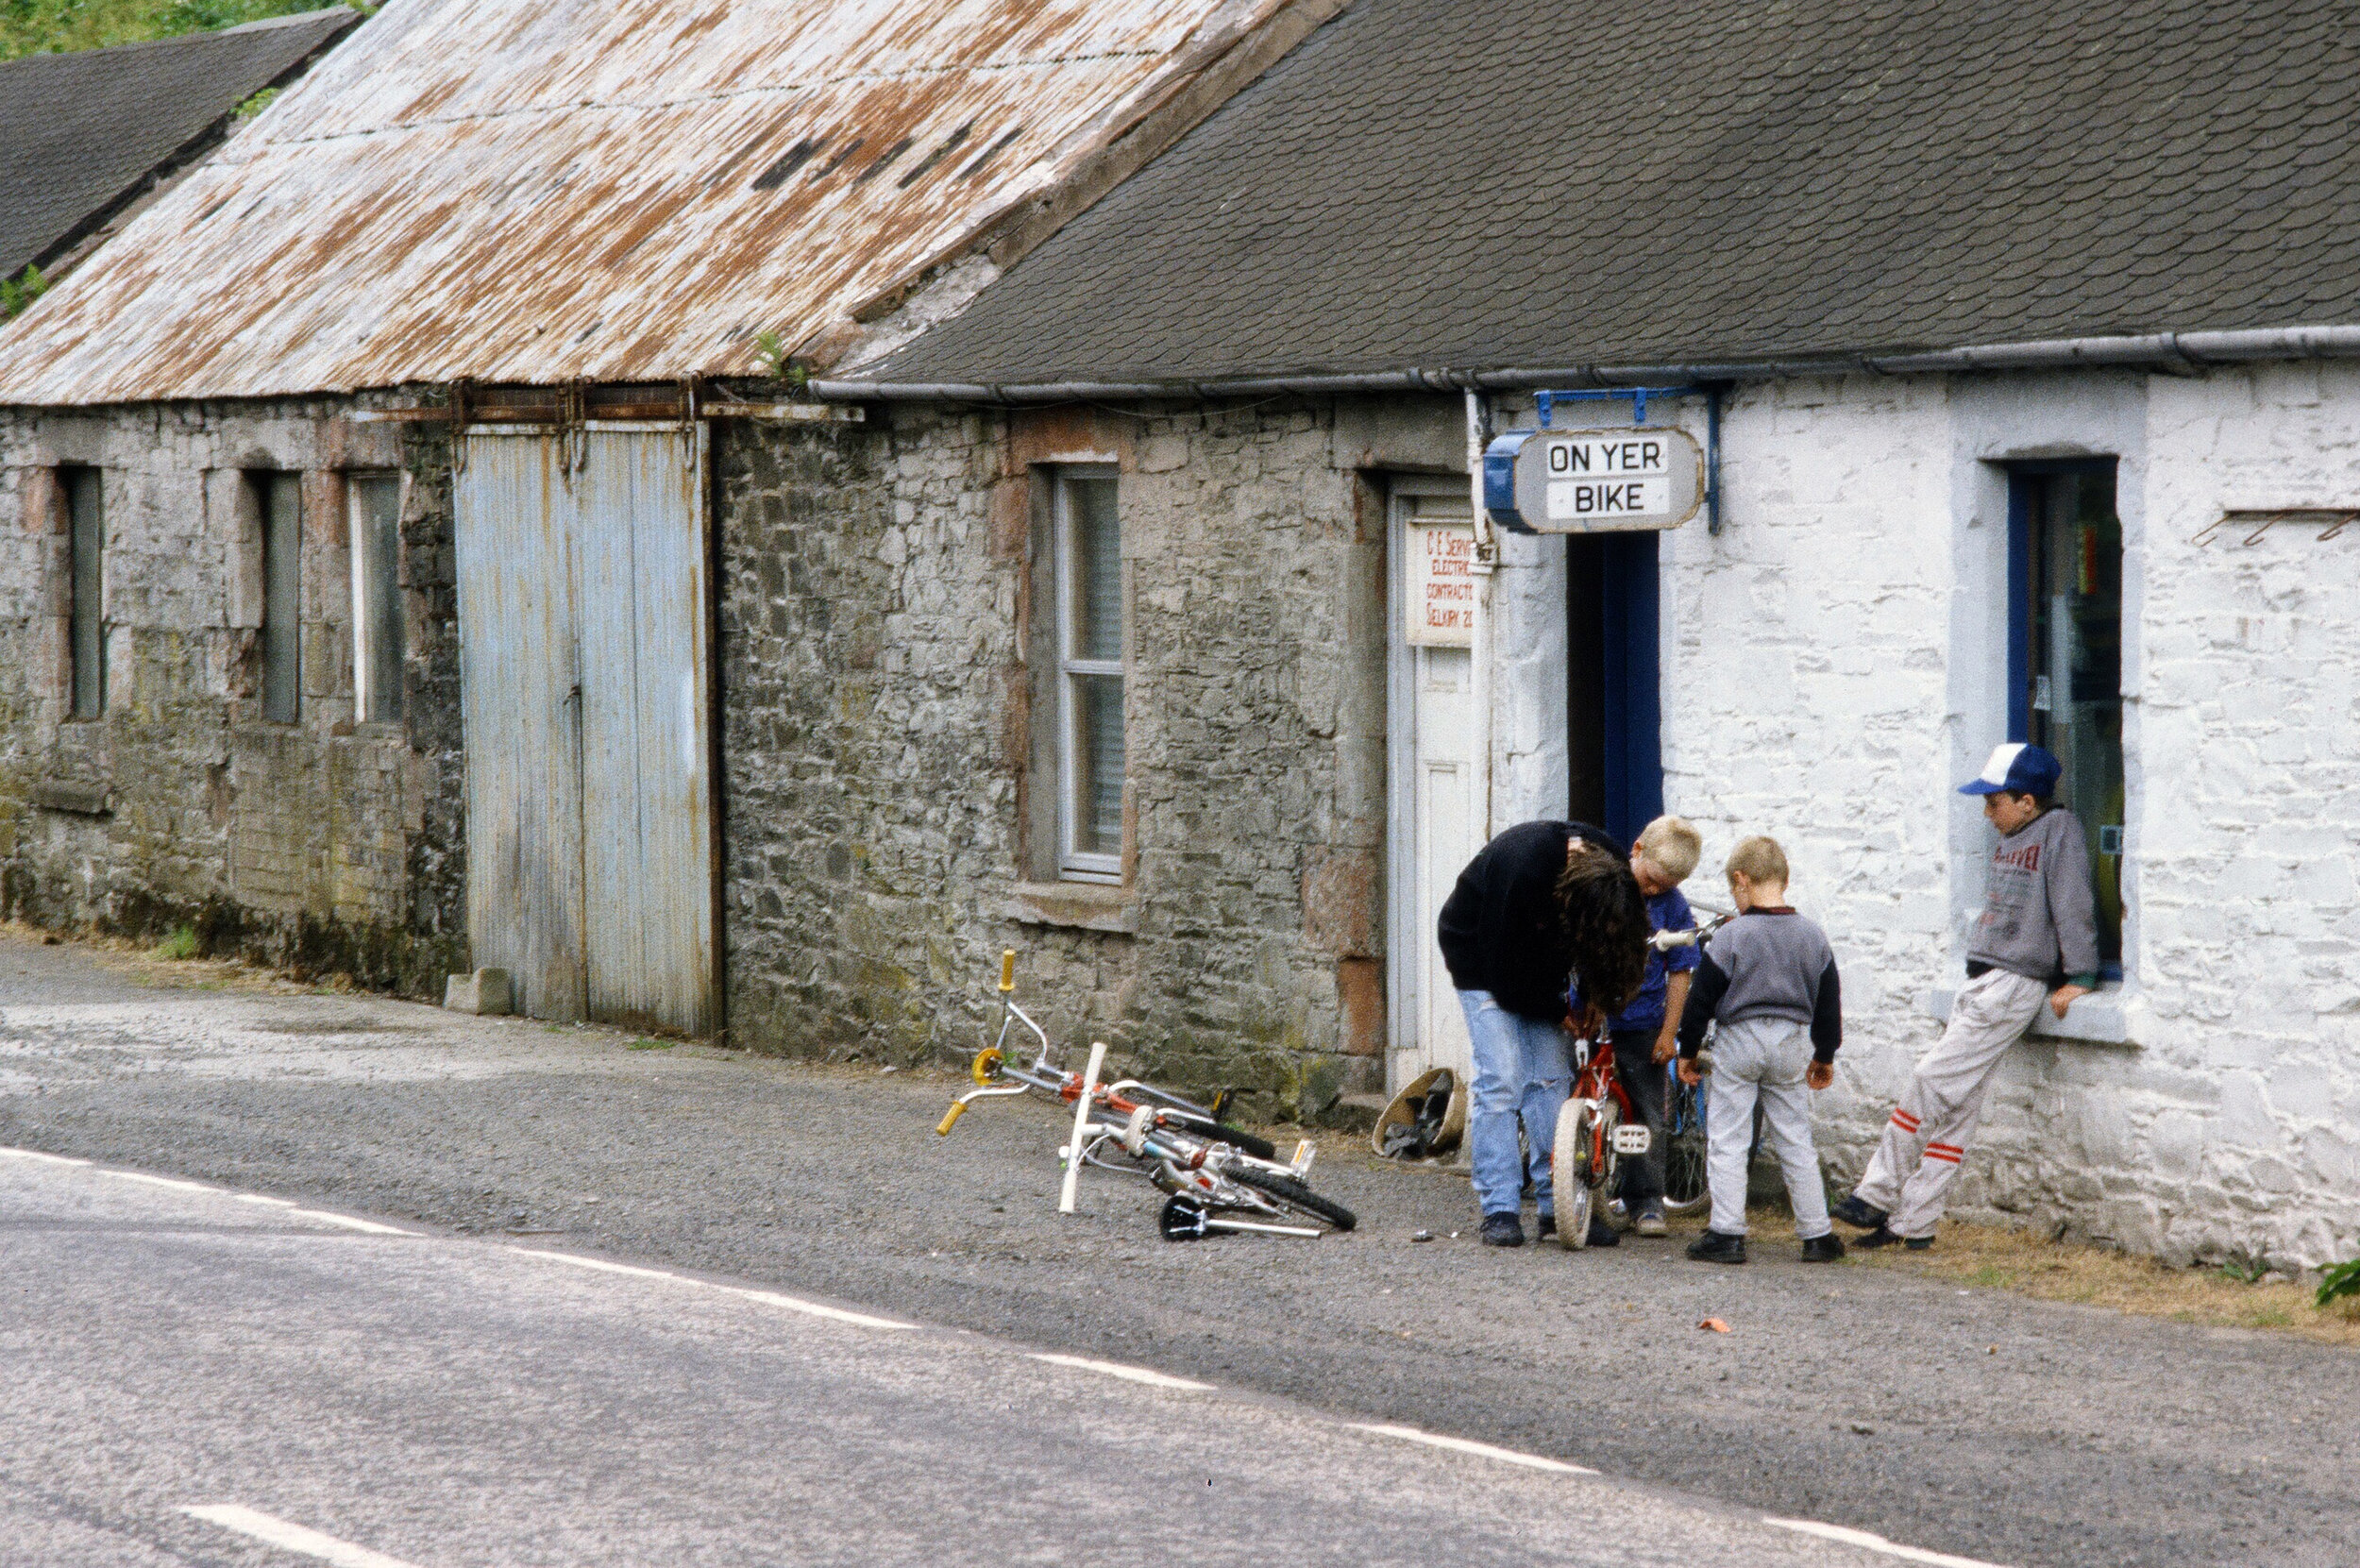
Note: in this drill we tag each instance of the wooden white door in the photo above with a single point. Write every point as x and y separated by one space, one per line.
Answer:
1434 742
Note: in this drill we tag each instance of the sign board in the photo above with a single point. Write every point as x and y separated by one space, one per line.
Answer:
1637 477
1439 598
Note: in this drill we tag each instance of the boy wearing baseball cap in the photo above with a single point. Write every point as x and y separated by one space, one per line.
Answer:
2035 942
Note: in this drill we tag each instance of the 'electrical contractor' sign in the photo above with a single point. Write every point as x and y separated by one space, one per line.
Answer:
1440 597
1592 481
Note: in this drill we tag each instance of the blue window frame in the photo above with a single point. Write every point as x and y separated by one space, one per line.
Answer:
2065 655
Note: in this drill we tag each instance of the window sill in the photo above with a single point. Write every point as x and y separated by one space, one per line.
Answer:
2109 1016
1081 906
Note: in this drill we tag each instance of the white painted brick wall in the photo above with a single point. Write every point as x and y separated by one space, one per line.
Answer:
1826 676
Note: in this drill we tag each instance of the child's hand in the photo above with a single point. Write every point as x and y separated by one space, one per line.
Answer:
1688 1072
1819 1075
2062 998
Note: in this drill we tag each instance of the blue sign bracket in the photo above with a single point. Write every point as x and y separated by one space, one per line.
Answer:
1545 404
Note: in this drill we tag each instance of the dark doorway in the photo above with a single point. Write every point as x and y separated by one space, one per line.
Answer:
1613 702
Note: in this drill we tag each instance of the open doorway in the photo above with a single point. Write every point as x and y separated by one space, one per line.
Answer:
1613 698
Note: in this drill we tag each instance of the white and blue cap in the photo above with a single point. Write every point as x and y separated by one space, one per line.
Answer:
2016 769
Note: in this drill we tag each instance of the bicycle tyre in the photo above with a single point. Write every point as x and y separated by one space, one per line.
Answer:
1293 1194
1686 1180
1217 1131
1569 1175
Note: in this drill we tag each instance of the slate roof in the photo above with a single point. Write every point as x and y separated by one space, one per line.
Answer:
80 131
1433 183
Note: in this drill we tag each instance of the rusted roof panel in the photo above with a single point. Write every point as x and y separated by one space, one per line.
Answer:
612 189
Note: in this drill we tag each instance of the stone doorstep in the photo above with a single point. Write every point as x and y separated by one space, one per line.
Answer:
2103 1018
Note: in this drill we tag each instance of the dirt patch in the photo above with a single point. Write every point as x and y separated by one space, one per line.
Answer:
1992 1258
144 964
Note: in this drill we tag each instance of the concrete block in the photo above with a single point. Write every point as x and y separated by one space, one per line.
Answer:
485 992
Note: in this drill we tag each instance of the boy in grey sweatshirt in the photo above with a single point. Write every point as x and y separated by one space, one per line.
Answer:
1769 988
2035 942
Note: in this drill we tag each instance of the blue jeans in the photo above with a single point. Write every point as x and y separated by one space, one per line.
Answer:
1522 1072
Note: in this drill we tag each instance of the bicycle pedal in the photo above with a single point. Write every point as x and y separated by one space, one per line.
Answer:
1632 1139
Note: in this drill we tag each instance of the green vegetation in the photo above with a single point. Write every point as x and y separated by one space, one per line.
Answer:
180 945
57 26
17 293
2340 1281
254 105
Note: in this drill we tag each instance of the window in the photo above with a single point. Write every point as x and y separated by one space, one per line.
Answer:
2065 571
280 502
374 501
1089 632
86 630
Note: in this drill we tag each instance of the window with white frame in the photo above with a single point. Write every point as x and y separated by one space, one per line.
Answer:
374 508
1089 565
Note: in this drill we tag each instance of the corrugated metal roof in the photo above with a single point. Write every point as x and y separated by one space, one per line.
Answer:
611 190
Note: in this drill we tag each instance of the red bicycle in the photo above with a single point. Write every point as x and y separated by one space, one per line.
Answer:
1596 1130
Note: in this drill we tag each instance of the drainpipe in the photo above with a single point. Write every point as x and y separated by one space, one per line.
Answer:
1486 557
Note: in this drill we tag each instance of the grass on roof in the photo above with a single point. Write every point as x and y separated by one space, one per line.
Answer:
59 27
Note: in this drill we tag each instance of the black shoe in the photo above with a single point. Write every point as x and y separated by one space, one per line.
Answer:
1546 1228
1602 1234
1919 1243
1823 1249
1713 1247
1881 1237
1860 1215
1503 1230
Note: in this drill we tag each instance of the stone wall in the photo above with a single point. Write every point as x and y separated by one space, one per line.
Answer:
322 844
877 613
1834 663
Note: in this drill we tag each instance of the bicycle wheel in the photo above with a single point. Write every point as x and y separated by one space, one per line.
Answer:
1685 1181
1291 1193
1569 1173
1216 1132
1606 1178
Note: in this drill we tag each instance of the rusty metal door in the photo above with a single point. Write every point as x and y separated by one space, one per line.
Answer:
584 661
520 714
647 790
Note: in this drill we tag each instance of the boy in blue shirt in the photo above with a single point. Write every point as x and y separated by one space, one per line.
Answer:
1646 1035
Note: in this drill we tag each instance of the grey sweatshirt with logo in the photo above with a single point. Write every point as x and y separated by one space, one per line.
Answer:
2040 913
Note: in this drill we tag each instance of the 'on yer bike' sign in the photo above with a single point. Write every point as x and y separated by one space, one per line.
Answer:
1594 481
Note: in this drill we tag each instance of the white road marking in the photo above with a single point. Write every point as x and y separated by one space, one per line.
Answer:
160 1181
367 1227
257 1198
1482 1450
292 1538
1878 1543
46 1159
1116 1369
768 1298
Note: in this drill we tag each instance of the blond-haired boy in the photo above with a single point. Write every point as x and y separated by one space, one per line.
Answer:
1768 984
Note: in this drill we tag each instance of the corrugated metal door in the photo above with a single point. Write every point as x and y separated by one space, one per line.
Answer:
647 794
520 712
583 599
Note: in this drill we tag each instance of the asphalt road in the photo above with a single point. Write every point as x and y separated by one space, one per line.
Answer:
1974 1423
197 1378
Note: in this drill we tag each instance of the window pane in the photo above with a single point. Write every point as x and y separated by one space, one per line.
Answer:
1097 566
2076 661
282 633
1097 763
377 596
88 633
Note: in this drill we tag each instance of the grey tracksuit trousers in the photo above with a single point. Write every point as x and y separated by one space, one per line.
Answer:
1918 1156
1762 1059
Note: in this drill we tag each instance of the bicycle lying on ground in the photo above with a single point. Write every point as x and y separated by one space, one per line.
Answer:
1596 1132
1217 1178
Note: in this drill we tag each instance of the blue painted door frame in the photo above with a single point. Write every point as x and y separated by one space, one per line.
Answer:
1614 704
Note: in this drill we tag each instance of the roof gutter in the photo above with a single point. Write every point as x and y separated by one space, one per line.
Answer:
2168 351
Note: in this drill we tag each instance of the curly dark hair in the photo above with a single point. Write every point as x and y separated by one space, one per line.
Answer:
1606 925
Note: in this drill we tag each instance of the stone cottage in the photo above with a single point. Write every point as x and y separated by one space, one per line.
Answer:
365 507
2022 404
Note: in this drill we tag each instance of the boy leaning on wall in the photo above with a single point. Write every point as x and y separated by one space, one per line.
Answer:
2035 942
1769 987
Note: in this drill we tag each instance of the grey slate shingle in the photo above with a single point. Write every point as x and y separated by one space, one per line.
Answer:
78 131
1532 183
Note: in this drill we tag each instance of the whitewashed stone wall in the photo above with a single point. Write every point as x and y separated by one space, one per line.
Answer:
1834 663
